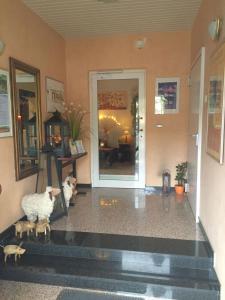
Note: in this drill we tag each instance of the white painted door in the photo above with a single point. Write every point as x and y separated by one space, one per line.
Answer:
118 128
195 131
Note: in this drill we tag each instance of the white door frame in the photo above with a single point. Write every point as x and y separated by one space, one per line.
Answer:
122 181
201 56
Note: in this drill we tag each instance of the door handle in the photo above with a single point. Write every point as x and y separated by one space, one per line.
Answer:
196 138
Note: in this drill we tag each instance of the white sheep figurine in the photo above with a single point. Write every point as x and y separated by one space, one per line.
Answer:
39 205
69 189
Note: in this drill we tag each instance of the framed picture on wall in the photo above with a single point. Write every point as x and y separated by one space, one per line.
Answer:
167 92
5 105
54 95
111 100
215 114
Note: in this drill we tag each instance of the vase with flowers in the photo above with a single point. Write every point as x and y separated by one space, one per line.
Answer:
74 115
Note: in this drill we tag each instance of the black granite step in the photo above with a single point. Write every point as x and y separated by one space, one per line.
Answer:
68 294
111 276
145 251
154 267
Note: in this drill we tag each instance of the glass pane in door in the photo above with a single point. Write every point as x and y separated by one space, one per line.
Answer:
118 128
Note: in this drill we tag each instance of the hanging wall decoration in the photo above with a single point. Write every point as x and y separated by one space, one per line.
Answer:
5 105
112 100
54 95
167 95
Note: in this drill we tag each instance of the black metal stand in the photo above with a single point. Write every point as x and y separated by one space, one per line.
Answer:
47 168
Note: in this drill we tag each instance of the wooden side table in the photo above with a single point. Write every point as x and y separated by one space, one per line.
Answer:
66 161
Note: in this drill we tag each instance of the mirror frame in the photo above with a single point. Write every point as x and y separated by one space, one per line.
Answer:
16 64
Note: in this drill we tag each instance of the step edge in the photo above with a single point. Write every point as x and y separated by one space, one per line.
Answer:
91 276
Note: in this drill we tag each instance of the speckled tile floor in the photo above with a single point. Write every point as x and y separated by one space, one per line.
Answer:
131 212
14 290
11 290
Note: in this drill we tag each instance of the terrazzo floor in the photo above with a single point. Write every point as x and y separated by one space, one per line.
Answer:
14 290
131 212
11 290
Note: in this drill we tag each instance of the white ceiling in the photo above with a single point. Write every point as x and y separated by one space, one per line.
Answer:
73 18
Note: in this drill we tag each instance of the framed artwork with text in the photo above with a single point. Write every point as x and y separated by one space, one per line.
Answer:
5 105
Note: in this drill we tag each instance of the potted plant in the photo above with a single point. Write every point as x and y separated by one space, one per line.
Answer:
74 116
181 175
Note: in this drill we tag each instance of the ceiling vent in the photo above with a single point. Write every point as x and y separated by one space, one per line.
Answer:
108 1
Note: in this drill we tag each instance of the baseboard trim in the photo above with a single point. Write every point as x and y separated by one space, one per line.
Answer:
209 248
158 188
84 185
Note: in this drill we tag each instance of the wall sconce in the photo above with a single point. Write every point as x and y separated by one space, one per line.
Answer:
2 47
140 44
215 28
126 134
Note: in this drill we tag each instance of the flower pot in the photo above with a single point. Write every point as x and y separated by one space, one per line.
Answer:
179 189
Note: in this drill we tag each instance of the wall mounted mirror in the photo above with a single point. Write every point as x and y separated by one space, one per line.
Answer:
26 115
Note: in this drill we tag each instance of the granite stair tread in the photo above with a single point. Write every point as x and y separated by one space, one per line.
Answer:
143 244
104 269
177 269
157 251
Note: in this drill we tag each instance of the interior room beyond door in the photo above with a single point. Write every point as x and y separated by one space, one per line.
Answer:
119 123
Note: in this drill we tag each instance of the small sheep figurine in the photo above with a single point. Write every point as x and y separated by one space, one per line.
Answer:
69 189
39 205
24 226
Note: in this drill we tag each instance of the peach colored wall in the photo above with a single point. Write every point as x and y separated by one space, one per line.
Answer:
30 40
212 211
165 55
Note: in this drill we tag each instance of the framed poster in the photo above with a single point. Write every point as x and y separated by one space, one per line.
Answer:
54 95
215 114
167 91
5 105
112 100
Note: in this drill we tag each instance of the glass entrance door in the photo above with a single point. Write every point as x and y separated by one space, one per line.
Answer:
118 127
